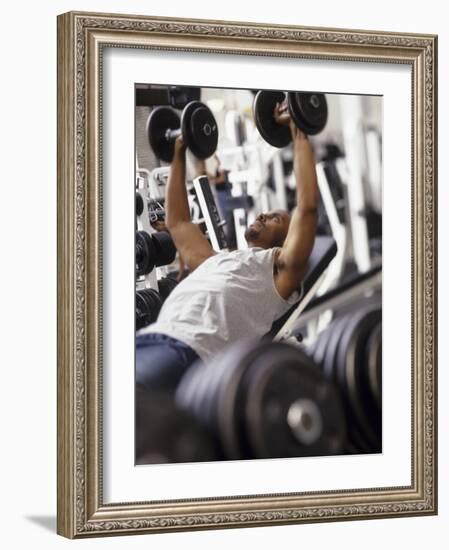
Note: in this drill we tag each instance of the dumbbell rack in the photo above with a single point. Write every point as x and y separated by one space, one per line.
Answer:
146 183
143 224
155 254
154 180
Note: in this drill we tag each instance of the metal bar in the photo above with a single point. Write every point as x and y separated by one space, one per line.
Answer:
286 330
344 298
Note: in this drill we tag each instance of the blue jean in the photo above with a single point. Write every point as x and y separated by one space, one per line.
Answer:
161 361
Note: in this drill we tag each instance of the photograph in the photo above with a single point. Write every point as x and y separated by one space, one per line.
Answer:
258 282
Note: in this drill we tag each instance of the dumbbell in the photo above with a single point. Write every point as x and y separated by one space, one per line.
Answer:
165 248
264 400
197 126
350 353
166 286
307 110
148 305
164 434
145 253
157 249
139 204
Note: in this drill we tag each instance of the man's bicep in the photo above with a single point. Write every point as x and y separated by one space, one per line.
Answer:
292 261
300 238
191 244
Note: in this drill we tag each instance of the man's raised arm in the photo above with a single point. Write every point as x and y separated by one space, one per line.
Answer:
187 236
292 261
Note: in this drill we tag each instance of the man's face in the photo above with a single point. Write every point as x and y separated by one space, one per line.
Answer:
269 229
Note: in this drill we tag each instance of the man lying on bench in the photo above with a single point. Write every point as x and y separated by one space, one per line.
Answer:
229 295
323 252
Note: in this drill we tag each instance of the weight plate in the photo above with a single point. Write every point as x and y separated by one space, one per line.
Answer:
372 367
350 364
186 389
217 394
139 204
321 344
229 396
308 111
275 134
142 318
330 367
203 411
146 308
374 360
336 330
367 405
226 400
199 129
199 384
164 247
157 301
191 393
212 379
145 253
291 409
210 393
149 303
160 121
166 285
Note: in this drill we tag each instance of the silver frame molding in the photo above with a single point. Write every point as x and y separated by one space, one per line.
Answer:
81 37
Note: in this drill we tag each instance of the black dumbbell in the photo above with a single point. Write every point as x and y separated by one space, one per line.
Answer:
166 286
157 249
139 204
374 361
265 400
145 253
165 248
307 110
148 306
197 126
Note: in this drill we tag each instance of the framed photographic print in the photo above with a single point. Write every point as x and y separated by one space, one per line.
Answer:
247 278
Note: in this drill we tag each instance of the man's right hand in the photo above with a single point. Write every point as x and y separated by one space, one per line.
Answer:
282 117
281 114
298 136
180 148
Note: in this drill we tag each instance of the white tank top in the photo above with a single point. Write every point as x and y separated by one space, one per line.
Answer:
231 295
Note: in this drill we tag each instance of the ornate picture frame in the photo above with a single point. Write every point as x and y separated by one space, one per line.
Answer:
82 37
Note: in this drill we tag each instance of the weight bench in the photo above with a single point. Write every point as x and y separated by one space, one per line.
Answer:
324 251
